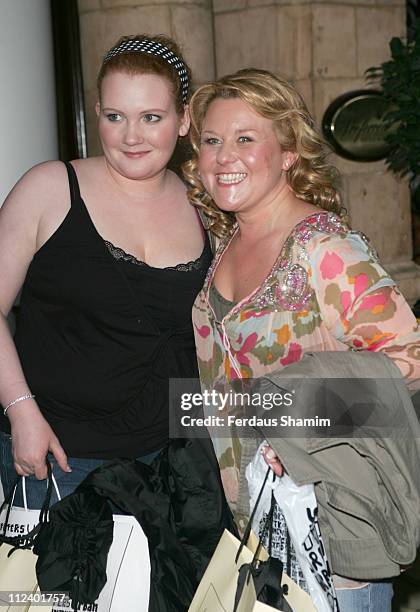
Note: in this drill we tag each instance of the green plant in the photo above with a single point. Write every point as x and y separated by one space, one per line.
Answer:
399 79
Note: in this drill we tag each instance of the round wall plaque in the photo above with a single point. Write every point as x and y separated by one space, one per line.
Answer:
354 126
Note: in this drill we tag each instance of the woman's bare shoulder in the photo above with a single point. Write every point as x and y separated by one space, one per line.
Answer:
45 174
89 168
25 208
41 184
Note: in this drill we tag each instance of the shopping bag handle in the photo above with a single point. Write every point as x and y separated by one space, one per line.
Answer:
266 575
247 531
26 540
25 503
267 523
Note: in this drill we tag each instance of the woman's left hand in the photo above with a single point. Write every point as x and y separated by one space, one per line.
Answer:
272 460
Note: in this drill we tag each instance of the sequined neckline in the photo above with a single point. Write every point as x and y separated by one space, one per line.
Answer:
324 221
120 255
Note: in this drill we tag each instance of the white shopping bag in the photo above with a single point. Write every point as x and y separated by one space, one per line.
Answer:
128 565
300 510
127 570
18 582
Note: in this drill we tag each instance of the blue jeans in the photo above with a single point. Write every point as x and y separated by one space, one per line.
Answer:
36 489
374 597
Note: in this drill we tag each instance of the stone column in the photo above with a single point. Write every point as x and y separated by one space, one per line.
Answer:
102 22
325 48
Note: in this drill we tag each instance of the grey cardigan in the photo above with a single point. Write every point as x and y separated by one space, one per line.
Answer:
367 488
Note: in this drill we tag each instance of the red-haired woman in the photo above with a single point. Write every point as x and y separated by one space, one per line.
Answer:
110 257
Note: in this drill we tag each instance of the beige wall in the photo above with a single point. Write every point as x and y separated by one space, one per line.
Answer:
324 47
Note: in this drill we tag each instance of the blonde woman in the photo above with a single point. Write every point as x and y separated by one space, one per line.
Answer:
289 276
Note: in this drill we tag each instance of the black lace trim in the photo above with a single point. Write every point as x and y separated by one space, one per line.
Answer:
120 255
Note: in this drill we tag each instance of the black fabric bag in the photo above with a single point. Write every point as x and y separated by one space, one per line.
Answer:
180 504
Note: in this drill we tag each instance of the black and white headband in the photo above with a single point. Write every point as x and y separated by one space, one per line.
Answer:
154 48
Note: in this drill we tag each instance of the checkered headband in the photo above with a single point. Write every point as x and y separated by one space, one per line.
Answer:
154 48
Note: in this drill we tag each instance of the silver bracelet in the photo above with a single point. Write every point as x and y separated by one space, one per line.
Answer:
18 399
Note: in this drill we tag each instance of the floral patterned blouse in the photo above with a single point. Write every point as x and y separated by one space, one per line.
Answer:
326 291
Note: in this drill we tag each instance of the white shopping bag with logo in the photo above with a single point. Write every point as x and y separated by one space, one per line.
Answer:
18 582
300 510
128 565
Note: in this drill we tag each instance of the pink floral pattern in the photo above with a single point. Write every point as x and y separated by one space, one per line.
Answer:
326 291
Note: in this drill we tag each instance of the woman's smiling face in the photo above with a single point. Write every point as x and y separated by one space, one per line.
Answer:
138 123
241 162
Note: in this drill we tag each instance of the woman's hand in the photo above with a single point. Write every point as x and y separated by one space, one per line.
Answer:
272 460
32 439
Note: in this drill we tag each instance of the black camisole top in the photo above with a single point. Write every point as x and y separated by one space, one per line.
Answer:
99 336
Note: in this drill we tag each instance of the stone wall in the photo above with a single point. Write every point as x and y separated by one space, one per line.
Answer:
323 46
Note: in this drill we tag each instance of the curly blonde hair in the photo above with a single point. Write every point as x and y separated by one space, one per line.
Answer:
310 177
